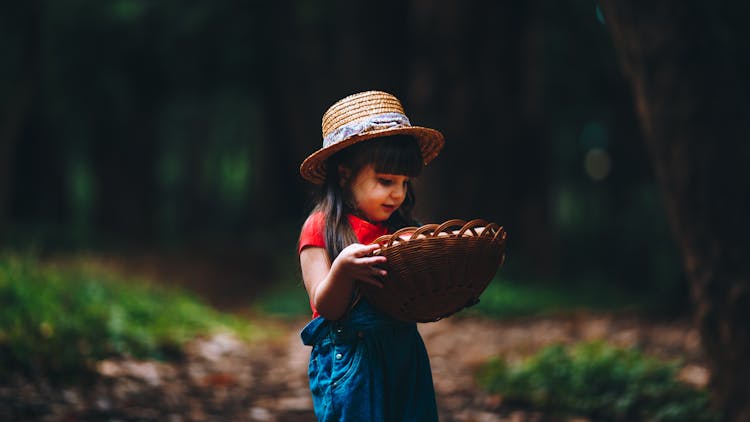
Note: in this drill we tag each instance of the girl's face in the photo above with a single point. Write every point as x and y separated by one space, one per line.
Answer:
377 195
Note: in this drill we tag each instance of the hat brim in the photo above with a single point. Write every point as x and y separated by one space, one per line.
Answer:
430 143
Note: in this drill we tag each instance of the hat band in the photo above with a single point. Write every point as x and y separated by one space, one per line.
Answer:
361 127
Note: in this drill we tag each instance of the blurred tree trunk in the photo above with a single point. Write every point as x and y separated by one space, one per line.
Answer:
688 98
18 104
13 117
476 71
124 168
280 187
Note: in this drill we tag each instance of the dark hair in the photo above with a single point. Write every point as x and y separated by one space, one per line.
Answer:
399 154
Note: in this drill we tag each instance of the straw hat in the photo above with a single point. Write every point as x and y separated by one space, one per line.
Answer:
362 116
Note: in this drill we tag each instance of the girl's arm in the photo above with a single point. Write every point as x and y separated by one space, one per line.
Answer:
330 285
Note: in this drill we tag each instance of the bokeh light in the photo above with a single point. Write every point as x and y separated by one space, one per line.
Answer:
597 164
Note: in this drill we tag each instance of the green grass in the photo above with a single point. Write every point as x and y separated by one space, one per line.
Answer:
288 300
601 382
502 299
58 321
507 299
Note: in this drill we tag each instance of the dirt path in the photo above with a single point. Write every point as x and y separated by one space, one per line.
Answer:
223 379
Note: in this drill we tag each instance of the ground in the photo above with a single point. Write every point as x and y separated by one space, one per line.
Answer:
223 379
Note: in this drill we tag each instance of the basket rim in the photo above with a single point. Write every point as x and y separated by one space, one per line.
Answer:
409 247
492 231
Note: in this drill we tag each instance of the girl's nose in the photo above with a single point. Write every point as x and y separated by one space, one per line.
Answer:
399 192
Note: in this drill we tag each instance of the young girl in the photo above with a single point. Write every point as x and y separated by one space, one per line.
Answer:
364 365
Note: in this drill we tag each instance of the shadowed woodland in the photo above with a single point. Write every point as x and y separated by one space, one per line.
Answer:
162 140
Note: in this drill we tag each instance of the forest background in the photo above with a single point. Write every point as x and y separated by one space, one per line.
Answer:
173 131
162 125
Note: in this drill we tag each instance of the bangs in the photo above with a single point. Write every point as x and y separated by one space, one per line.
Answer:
398 154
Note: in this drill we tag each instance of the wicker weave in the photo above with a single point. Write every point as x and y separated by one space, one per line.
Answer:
359 106
436 270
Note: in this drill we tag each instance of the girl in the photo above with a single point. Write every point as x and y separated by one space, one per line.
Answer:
364 365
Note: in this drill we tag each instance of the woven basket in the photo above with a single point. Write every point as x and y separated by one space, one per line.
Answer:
436 270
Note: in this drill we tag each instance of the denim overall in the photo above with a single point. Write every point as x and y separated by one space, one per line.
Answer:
369 367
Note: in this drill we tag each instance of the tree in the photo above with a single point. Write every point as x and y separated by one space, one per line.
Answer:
22 80
690 104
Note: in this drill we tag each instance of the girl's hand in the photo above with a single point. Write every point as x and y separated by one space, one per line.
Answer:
356 262
330 285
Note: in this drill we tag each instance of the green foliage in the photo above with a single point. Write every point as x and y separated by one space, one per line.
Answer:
599 381
284 301
505 299
287 298
502 299
59 321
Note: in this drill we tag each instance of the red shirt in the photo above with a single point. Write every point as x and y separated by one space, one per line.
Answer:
312 234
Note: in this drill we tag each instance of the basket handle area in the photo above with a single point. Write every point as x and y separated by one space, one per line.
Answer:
473 224
426 228
388 240
443 228
500 234
492 230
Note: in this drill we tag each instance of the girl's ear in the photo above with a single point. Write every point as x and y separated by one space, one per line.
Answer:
344 175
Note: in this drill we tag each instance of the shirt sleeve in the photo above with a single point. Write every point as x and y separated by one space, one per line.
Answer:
312 233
